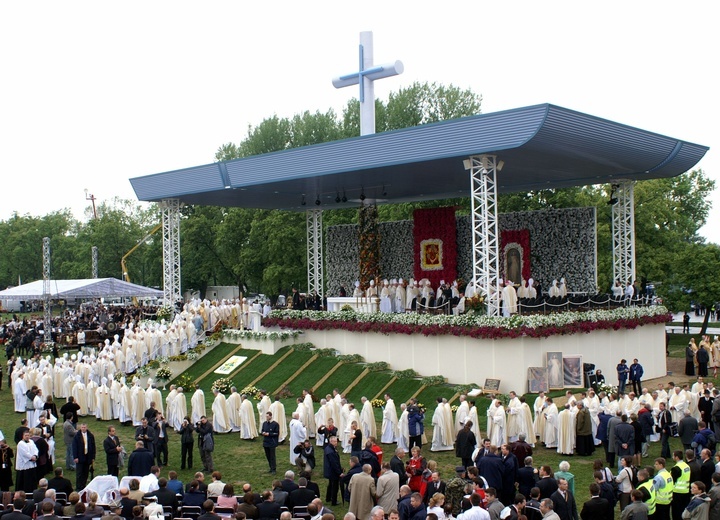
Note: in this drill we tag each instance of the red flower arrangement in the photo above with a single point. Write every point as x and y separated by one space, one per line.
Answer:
578 327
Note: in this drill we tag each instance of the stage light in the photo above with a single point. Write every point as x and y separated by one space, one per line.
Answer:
500 166
344 197
317 200
337 197
384 193
362 193
302 201
467 164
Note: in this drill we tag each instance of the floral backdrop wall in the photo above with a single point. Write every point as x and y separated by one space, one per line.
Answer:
562 244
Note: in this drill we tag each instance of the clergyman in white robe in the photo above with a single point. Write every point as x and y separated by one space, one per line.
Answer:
198 406
367 419
232 410
220 421
566 431
499 433
298 434
278 411
389 422
439 442
248 427
551 424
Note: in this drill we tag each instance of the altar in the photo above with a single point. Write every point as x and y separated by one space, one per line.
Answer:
366 305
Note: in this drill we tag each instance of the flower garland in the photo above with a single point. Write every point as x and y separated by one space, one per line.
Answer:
261 336
474 325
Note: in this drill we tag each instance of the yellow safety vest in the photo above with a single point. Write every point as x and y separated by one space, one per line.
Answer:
682 484
651 490
663 496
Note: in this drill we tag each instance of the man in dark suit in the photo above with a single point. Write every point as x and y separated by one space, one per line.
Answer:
160 446
17 514
165 497
83 449
596 508
509 478
527 477
288 483
48 512
434 486
301 496
111 446
484 450
59 483
492 468
332 471
127 503
312 486
140 460
270 432
268 509
522 450
150 413
564 501
209 514
146 434
398 466
547 485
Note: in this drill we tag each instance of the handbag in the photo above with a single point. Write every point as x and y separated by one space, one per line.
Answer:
208 442
121 457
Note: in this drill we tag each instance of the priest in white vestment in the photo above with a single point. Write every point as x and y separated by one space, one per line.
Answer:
678 404
298 434
278 411
509 299
232 410
551 424
473 416
513 419
539 422
389 425
352 416
462 412
263 406
309 414
153 395
320 418
198 406
219 409
301 410
137 394
525 422
439 440
248 427
566 430
124 407
499 433
449 426
78 392
403 439
179 410
103 402
492 407
367 419
19 391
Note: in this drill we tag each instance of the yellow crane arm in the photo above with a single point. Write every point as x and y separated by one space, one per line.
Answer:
140 242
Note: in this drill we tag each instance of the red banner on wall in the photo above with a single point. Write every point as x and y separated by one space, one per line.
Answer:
435 244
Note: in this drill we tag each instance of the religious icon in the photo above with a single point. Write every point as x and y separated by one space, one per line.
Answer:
537 380
555 369
572 371
513 265
431 255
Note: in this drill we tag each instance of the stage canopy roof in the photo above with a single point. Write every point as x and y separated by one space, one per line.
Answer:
542 146
87 288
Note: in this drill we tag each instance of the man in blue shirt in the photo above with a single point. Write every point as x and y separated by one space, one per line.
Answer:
622 372
636 373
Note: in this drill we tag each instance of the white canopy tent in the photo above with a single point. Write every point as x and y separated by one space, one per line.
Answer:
86 288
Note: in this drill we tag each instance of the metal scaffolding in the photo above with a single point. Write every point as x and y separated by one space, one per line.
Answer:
315 260
94 261
623 231
170 209
485 237
47 303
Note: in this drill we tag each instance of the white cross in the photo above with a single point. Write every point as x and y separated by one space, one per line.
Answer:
365 78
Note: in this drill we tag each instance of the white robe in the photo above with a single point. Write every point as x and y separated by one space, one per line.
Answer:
439 440
403 439
309 415
461 415
232 410
499 435
298 434
539 422
103 410
513 419
278 411
367 421
473 416
19 390
566 432
176 419
248 427
678 403
389 423
551 426
198 406
320 416
263 407
220 421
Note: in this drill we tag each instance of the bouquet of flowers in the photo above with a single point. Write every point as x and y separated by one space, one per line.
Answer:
164 373
223 385
166 312
251 391
192 355
475 304
607 388
377 403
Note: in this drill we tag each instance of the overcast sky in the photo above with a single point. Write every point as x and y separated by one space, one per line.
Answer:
96 92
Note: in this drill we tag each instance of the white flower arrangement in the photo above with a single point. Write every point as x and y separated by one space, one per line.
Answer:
282 336
477 320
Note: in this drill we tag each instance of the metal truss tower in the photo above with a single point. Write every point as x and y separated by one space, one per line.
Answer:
170 209
94 261
485 236
47 302
315 260
623 231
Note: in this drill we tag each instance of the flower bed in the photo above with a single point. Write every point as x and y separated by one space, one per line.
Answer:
473 325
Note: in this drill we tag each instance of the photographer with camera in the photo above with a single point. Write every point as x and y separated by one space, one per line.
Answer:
206 443
187 441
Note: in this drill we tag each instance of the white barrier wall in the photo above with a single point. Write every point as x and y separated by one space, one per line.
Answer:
466 360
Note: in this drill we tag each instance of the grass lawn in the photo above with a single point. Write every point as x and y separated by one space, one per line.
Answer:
284 371
341 378
312 374
431 393
205 363
370 386
403 389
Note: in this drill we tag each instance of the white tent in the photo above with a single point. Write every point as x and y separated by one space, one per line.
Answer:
87 288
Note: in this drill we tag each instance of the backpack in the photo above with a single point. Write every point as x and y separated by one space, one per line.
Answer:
208 442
